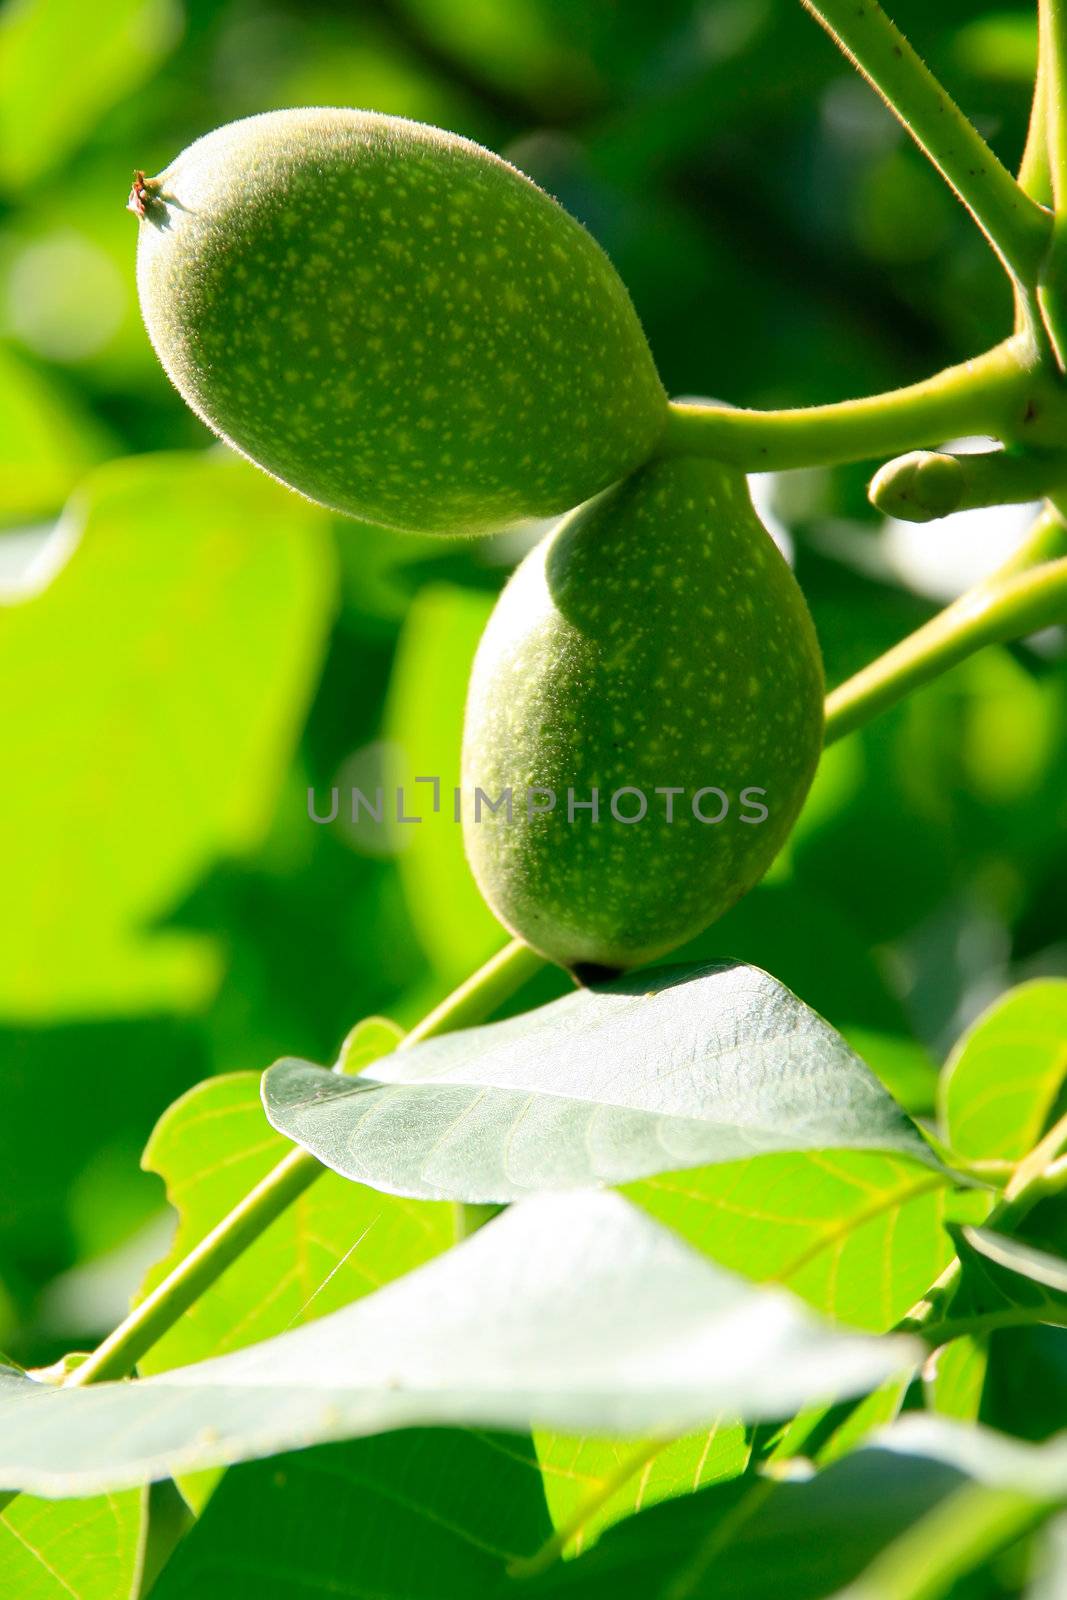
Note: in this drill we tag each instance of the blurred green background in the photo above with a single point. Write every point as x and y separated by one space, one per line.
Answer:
185 647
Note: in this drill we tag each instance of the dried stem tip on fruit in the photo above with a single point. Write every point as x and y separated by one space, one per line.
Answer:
141 195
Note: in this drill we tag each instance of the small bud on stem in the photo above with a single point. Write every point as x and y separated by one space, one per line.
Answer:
926 484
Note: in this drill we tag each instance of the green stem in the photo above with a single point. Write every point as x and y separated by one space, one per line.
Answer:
987 395
1037 1176
965 1529
1041 1173
1046 541
481 994
1053 26
150 1319
158 1311
982 1323
1052 288
1015 225
1036 179
992 613
1034 173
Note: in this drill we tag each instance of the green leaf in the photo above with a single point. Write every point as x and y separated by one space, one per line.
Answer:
1000 46
47 441
64 65
334 1244
174 653
366 1043
591 1484
752 1539
53 1549
1025 1390
1050 1575
1006 1278
165 1520
667 1069
424 721
56 1549
574 1313
72 1198
427 1512
381 574
988 1457
954 1378
1001 1081
859 1236
822 1434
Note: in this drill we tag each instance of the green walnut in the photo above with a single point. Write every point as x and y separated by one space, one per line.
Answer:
644 720
393 321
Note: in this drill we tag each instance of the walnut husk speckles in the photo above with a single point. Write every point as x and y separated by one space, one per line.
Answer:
394 321
655 640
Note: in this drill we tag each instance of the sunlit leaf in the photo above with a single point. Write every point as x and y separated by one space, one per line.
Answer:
1001 1081
752 1539
170 663
823 1434
673 1068
575 1313
64 64
366 1043
859 1236
56 1549
334 1244
954 1378
47 441
988 1457
424 721
808 1540
590 1484
88 1549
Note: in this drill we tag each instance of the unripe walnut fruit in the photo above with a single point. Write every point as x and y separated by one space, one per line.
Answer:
393 321
655 641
